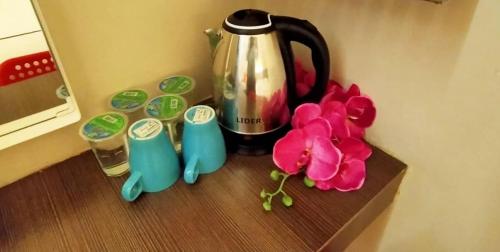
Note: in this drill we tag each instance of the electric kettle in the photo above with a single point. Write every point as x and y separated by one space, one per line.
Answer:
254 76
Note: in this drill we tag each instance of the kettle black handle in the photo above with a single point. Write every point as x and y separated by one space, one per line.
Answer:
293 29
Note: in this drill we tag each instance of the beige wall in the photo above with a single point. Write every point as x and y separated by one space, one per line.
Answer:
111 45
434 72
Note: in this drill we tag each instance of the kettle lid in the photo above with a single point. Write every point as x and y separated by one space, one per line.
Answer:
248 22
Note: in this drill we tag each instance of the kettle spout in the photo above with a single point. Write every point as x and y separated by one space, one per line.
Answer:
214 37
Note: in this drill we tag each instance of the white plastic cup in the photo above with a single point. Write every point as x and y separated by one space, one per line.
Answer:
182 85
169 109
106 136
130 102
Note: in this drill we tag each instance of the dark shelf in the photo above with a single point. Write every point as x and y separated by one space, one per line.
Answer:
74 206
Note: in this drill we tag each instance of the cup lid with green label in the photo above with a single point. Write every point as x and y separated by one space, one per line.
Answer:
166 107
178 84
145 129
128 100
199 114
104 126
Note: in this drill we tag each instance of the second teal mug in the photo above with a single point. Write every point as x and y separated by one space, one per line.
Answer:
154 165
203 147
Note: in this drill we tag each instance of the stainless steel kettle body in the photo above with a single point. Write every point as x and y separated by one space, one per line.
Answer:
254 79
250 90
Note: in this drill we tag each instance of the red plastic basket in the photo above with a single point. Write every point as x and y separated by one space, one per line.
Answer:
25 67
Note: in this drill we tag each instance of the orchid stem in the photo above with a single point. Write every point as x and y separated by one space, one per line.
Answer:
280 188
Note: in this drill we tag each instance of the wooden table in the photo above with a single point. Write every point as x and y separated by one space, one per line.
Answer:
74 206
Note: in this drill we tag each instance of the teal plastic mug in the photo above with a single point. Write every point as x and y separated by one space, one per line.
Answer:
154 165
203 147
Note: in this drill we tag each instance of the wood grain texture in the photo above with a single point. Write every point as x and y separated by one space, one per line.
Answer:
74 206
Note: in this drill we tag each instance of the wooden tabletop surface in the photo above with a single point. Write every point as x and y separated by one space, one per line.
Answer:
74 206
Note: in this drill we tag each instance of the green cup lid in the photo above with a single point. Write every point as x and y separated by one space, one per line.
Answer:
129 100
104 126
166 107
179 84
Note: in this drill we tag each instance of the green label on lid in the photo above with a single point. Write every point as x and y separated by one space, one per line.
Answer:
176 85
166 107
104 126
129 99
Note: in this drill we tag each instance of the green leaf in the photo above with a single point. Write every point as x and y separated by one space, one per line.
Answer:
267 206
275 175
263 194
308 182
287 201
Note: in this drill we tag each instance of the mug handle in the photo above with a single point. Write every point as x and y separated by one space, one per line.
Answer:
191 170
132 187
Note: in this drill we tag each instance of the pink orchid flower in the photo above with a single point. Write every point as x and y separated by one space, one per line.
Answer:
350 177
332 86
309 147
335 92
334 112
305 113
354 130
352 171
300 72
304 79
354 148
360 109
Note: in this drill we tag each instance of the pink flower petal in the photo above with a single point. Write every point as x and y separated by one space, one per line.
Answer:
304 114
354 148
302 89
333 107
352 91
331 86
300 72
318 127
289 150
335 94
335 113
361 111
339 127
351 176
310 78
325 159
324 185
355 131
